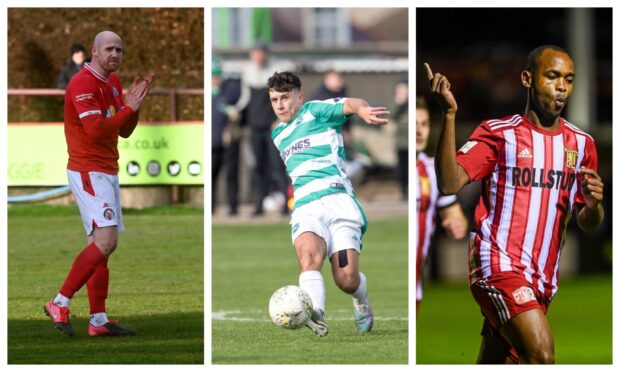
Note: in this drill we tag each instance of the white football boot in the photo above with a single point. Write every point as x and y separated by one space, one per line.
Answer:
317 324
363 315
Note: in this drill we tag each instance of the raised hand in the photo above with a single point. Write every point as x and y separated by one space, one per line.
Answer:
138 91
372 115
440 89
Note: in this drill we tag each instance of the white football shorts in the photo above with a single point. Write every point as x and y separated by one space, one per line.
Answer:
98 198
337 218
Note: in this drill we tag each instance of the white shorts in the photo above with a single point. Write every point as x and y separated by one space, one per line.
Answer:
98 198
337 218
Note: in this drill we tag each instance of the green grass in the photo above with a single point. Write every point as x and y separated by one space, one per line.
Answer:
250 262
156 287
449 323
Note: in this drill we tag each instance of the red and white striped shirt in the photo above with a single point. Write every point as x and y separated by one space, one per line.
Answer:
428 201
529 188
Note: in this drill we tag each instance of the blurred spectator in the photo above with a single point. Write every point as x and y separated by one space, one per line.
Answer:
400 116
259 117
333 86
225 136
78 57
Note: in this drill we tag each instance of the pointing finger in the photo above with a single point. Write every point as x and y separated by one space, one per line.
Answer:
429 72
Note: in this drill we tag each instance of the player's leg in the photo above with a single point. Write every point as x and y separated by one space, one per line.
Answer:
514 313
86 261
494 349
106 238
345 270
347 229
82 269
530 334
310 249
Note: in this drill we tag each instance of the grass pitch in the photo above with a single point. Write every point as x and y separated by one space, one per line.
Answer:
156 287
249 262
449 323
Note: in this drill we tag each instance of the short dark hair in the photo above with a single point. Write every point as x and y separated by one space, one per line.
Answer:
534 56
283 82
76 48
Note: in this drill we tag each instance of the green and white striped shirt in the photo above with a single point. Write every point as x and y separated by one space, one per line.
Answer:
312 149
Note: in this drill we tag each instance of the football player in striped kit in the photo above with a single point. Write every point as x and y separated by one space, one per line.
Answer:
327 221
430 203
537 170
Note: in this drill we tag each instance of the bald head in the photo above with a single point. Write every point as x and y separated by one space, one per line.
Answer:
107 52
104 36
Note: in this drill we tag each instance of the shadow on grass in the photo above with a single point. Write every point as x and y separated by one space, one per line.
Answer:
161 339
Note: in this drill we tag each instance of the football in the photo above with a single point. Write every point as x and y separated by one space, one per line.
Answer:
290 307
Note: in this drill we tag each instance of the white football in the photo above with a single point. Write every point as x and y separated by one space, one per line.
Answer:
290 307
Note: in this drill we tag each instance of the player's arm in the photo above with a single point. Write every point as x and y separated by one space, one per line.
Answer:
451 177
591 213
359 107
453 221
127 129
96 125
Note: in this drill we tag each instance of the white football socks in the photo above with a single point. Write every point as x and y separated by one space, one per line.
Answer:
313 283
360 292
98 319
61 300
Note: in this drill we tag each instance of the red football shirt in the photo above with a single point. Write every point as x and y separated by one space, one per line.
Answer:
428 201
94 114
529 188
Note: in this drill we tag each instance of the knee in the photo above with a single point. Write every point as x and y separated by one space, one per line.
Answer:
107 246
347 281
310 249
310 261
542 355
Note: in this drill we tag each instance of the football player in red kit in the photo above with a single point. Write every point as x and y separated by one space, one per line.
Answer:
536 170
95 115
429 203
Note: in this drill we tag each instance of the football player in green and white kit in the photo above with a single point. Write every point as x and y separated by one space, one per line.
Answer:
327 220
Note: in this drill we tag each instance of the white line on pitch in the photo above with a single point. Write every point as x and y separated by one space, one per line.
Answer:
234 316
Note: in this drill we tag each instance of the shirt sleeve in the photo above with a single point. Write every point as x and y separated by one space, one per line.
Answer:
96 125
478 156
590 161
329 111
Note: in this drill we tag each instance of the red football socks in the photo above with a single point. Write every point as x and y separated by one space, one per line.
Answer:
83 268
97 287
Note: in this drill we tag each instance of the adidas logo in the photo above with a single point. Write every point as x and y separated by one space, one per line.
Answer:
525 154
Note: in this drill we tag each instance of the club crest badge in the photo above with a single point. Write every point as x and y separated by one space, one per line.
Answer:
425 185
571 158
108 214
